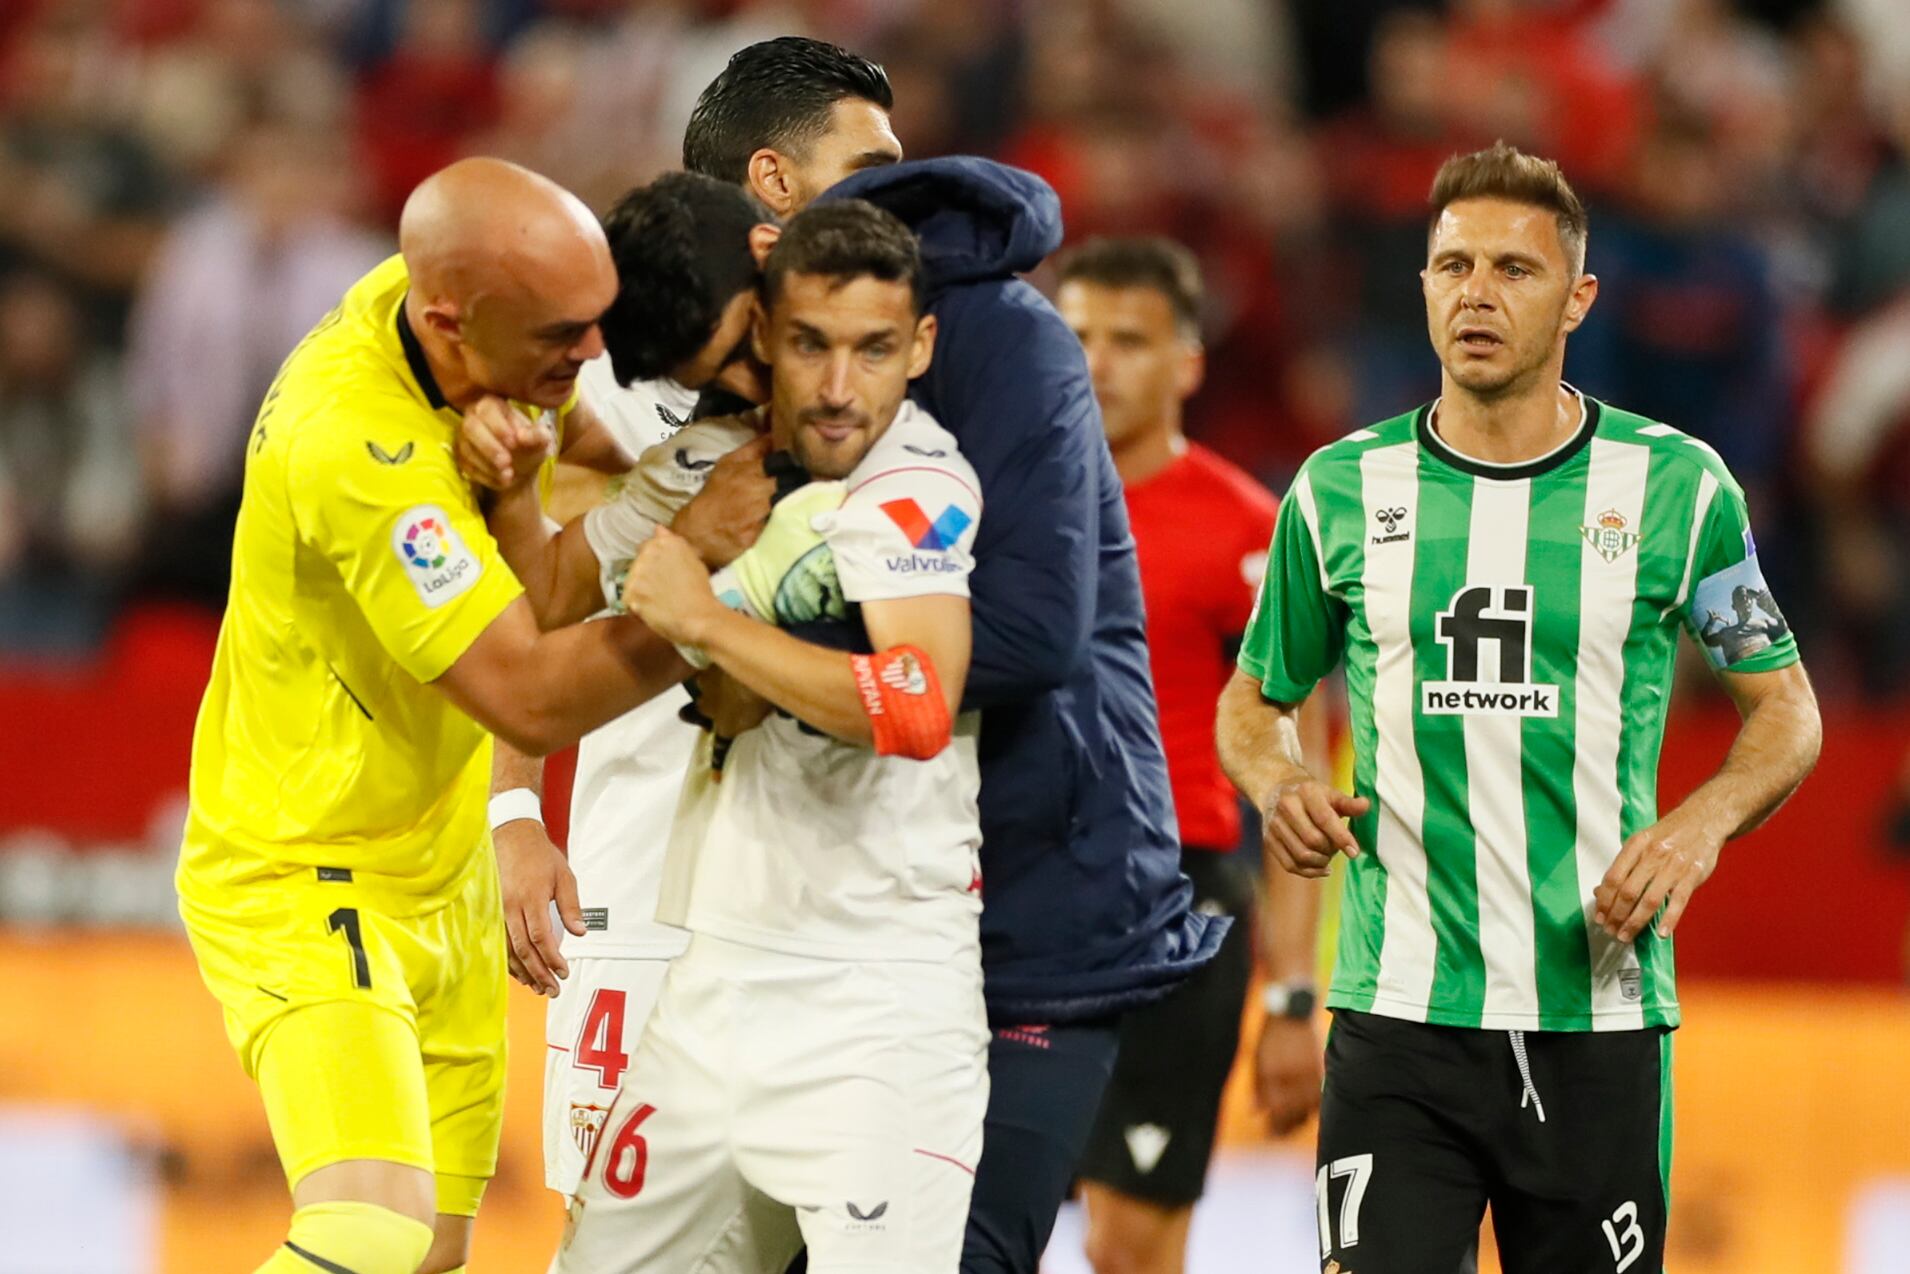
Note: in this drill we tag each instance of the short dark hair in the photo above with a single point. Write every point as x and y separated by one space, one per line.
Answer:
777 93
1155 262
1503 171
681 245
846 239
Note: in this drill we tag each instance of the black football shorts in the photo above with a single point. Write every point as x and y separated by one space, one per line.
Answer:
1155 1131
1565 1135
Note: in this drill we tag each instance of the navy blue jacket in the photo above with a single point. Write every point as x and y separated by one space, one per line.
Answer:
1084 908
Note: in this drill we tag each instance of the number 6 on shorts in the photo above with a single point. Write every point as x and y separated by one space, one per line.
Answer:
629 1156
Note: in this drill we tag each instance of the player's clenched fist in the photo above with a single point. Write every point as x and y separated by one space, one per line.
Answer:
499 446
669 587
728 513
1303 824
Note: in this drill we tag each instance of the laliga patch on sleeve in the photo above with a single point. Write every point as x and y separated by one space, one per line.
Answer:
438 563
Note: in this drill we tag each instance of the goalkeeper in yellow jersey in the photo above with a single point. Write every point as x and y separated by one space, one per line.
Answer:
337 878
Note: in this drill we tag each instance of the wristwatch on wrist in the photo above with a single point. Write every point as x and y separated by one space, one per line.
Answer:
1294 1000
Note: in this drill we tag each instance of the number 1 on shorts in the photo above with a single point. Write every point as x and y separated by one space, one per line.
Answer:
346 918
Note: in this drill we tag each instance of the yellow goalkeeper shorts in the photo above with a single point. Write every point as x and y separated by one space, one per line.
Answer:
374 1029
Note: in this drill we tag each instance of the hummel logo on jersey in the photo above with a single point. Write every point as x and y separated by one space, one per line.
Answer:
938 535
670 419
683 461
1390 518
923 451
1500 617
382 456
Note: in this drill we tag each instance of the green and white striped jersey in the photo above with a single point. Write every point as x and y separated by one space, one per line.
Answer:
1509 634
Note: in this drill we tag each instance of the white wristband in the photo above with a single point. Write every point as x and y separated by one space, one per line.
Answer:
519 802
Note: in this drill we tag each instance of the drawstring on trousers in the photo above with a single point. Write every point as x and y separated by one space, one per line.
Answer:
1531 1093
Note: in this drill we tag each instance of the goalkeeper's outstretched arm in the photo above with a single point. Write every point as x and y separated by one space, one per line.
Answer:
540 692
899 701
557 567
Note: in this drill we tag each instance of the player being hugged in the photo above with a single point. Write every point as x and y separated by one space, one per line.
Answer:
815 1069
688 251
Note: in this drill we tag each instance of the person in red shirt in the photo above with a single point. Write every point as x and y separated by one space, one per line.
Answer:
1201 528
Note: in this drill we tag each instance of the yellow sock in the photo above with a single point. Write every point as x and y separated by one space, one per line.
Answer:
349 1237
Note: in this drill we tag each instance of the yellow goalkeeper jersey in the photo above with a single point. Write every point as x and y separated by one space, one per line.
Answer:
361 571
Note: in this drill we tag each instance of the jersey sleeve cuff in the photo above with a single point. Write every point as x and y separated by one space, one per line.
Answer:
1767 660
1273 689
860 591
1279 690
498 589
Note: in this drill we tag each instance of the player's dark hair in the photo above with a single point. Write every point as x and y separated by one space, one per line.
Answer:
681 245
777 93
1503 171
1153 262
844 240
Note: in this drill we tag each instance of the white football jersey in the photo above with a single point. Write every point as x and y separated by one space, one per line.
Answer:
816 847
629 771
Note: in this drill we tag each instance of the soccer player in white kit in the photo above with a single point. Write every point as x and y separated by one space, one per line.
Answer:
688 273
815 1068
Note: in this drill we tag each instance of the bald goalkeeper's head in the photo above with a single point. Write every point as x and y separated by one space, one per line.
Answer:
509 275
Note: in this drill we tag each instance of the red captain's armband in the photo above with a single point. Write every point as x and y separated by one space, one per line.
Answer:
903 699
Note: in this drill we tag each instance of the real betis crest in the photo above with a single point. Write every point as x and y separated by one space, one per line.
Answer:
1610 536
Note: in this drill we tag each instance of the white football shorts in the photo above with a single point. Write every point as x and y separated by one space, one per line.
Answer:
591 1032
777 1101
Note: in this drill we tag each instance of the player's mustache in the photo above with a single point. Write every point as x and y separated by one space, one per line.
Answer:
831 416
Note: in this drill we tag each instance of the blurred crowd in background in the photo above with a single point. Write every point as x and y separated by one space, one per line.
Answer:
186 185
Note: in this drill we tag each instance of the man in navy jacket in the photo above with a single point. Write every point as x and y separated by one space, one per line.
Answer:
1085 911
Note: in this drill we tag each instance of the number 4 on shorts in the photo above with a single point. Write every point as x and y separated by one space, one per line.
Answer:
1360 1169
600 1042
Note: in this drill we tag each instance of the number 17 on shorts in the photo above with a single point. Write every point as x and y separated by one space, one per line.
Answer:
1344 1222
